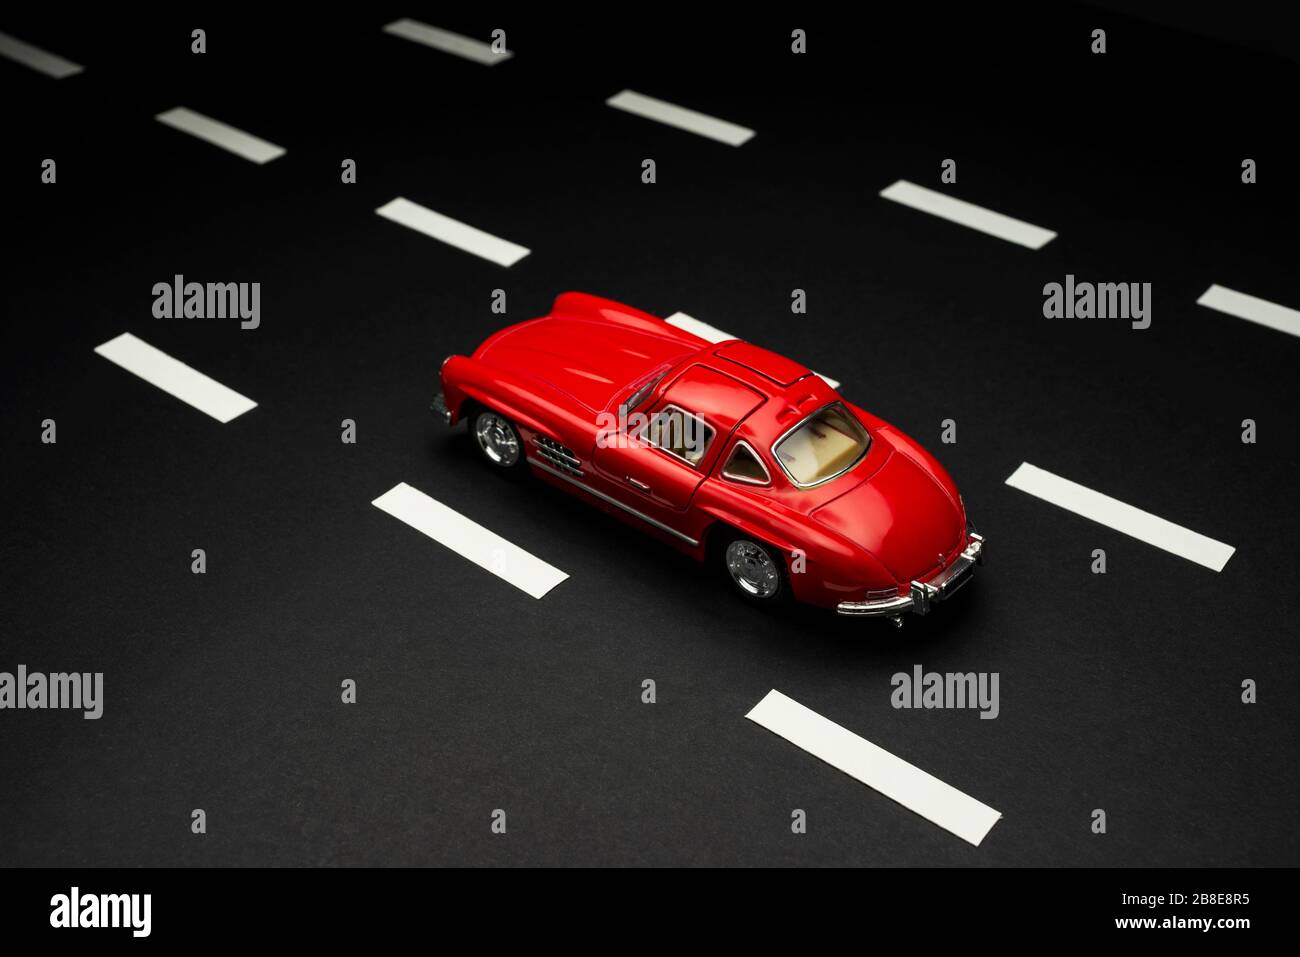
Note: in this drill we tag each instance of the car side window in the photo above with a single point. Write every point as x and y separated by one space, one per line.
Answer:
679 433
744 465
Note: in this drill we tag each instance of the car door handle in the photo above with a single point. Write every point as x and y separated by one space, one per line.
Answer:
636 484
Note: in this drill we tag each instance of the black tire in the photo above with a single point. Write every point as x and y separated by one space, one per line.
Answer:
754 568
497 440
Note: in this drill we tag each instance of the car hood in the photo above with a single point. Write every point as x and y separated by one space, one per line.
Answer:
902 514
590 361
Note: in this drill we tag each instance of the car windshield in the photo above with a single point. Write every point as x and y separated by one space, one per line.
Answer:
823 446
640 394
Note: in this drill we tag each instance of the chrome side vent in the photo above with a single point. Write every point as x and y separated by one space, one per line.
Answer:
557 455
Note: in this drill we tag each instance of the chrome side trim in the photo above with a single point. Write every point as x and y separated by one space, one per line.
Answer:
558 455
538 463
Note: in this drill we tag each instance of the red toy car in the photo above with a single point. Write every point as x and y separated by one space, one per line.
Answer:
727 451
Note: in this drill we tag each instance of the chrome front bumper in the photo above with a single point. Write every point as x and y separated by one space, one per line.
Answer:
922 596
440 409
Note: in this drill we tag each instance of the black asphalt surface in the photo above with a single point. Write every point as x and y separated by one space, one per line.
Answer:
222 691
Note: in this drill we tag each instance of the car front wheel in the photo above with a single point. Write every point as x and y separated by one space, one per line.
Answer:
498 440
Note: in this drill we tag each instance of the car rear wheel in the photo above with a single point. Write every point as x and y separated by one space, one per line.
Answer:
755 569
497 440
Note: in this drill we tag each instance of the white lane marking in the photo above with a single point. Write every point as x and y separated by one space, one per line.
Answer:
219 134
171 375
1251 309
694 326
916 790
712 334
1115 514
968 214
469 539
452 232
447 42
680 117
36 58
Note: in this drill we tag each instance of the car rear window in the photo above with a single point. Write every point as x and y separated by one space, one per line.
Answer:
823 446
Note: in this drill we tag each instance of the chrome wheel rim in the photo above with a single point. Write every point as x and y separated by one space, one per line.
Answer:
497 439
752 569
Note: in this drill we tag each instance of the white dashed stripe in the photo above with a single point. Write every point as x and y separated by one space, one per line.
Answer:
1251 309
968 214
875 767
680 117
42 60
447 42
219 134
452 232
175 377
484 548
1123 518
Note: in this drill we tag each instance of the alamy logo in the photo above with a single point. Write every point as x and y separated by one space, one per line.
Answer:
179 299
59 690
75 909
1103 300
922 689
679 432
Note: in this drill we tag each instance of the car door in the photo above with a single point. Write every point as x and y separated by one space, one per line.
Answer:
656 465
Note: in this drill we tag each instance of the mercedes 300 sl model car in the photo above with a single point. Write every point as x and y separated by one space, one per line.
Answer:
724 450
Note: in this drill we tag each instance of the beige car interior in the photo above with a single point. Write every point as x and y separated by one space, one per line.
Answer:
822 447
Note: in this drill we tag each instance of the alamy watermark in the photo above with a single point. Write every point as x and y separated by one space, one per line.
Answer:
672 429
75 909
37 691
179 299
922 689
1102 300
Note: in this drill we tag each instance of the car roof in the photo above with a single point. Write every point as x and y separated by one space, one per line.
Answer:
770 365
786 408
720 398
737 386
